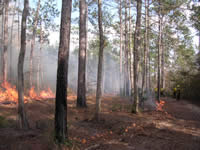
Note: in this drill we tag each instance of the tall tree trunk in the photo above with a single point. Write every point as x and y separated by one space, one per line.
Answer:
144 81
148 50
137 43
121 74
126 78
123 60
41 67
159 51
11 40
21 112
81 91
130 50
162 62
62 73
5 43
86 75
100 63
33 43
39 70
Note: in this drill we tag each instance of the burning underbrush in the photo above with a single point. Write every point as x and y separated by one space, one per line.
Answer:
160 105
160 108
9 93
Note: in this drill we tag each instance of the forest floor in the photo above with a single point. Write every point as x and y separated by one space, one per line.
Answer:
176 127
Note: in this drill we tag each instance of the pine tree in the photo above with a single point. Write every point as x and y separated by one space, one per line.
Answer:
137 44
62 72
100 63
81 91
21 112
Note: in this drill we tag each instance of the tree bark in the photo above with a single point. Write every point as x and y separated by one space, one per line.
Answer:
144 81
130 50
137 43
121 74
148 39
5 43
62 73
162 62
100 63
159 51
33 43
81 91
23 123
126 73
39 70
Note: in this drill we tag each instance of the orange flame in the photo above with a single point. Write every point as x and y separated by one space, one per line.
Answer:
160 105
46 94
32 93
9 92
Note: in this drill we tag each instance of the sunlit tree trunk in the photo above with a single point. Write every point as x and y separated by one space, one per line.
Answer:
144 74
62 72
21 112
148 50
5 42
86 72
40 63
159 52
39 67
137 43
130 50
126 74
33 42
100 64
121 74
81 91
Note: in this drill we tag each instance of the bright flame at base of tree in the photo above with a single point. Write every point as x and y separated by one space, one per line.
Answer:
9 93
159 106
